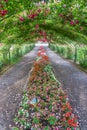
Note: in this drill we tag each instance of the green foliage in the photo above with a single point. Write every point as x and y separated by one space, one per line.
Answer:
1 65
48 69
83 63
82 53
14 31
15 128
70 54
67 51
10 54
52 120
46 128
35 120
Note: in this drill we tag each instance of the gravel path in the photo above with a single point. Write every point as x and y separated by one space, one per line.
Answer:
74 83
11 88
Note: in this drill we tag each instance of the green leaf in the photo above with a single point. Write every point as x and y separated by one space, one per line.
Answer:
15 128
46 128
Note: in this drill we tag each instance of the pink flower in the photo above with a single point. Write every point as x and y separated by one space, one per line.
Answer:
74 128
47 89
56 128
39 10
37 26
47 96
3 12
32 16
77 21
48 99
72 22
21 19
68 129
39 105
36 125
52 114
44 113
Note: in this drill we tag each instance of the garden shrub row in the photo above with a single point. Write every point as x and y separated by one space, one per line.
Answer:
44 105
75 53
10 54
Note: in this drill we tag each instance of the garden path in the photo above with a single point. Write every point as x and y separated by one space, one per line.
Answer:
11 88
74 83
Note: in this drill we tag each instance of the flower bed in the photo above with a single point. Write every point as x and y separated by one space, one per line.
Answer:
44 105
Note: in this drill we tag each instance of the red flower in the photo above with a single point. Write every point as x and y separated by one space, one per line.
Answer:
66 106
72 22
3 12
68 129
41 32
6 0
45 57
39 53
39 10
32 16
72 122
67 115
